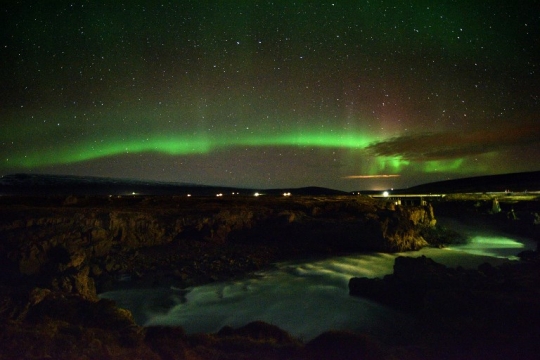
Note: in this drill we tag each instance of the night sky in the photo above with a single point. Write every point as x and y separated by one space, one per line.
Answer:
345 94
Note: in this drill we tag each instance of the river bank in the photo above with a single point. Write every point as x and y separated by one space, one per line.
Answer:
191 240
304 297
55 251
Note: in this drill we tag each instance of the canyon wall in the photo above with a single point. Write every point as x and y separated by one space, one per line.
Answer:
67 242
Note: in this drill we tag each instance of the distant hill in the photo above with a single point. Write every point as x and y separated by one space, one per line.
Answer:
45 185
41 184
307 191
515 182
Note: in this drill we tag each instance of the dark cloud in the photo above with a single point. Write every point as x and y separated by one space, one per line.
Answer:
447 145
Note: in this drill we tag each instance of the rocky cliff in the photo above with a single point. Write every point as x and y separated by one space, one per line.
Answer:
487 313
55 252
64 241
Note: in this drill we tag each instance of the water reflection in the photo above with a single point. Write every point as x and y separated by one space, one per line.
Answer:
483 240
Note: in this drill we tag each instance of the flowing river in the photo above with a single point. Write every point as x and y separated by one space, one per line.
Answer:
308 297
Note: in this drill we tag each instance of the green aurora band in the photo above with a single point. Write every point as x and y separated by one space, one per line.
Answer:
175 145
183 145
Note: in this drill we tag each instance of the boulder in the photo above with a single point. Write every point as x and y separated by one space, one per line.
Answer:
343 345
406 288
421 271
260 331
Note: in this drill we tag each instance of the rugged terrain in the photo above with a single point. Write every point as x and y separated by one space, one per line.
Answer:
487 313
194 238
57 253
484 313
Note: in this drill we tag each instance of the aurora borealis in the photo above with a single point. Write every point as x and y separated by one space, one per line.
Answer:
347 95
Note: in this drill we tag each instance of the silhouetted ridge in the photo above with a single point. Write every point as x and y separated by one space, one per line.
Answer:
44 184
516 182
308 191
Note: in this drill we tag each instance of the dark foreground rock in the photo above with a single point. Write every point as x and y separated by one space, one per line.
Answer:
56 253
74 244
491 312
46 324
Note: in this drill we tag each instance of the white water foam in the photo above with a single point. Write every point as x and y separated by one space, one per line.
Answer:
304 298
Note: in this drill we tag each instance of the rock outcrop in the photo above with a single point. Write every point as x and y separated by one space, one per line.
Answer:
490 312
53 252
64 243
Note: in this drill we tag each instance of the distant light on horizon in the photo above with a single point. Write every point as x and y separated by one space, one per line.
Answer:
382 176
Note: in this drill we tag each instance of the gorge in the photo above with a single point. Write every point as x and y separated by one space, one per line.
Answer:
192 254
